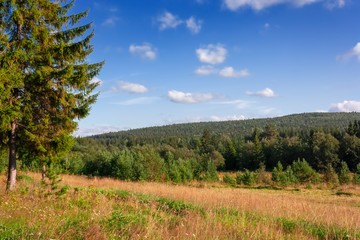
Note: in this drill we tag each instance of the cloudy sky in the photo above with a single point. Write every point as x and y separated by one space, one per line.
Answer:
175 61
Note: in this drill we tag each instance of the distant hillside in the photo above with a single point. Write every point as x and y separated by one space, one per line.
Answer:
304 121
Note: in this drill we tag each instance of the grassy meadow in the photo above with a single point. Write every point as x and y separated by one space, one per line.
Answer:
104 208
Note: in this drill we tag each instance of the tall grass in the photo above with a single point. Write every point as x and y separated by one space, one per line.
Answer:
111 209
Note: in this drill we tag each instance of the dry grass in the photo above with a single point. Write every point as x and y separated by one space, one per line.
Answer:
319 206
229 213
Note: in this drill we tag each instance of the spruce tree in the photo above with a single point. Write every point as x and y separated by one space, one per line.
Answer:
45 81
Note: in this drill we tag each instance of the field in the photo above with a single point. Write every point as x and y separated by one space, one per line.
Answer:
111 209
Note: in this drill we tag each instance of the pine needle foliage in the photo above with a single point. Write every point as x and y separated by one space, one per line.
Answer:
45 80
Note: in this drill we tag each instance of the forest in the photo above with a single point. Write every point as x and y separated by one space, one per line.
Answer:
329 144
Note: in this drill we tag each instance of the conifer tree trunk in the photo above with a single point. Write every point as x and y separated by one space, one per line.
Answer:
12 158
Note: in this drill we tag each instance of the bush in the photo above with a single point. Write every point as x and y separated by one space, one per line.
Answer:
275 175
283 178
228 179
246 178
291 176
211 174
330 175
303 172
344 173
262 176
356 179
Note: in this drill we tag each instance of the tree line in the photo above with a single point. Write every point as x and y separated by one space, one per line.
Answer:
186 159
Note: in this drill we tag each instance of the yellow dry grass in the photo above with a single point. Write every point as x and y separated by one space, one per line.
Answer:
316 206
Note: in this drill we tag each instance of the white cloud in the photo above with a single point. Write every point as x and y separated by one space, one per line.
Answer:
207 119
145 51
83 132
266 25
261 4
194 25
168 20
206 70
267 92
213 54
130 87
111 21
346 106
97 80
230 72
355 51
335 3
138 101
240 104
227 118
181 97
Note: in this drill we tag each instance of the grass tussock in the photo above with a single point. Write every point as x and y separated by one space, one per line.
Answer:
110 209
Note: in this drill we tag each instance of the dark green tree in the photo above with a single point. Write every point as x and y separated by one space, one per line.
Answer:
324 150
45 81
350 150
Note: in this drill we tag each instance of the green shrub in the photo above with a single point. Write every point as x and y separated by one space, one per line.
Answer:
246 178
283 178
303 172
275 175
228 179
330 175
291 176
356 179
211 174
344 173
262 176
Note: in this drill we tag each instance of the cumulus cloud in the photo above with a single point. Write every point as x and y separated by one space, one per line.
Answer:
130 87
194 25
168 20
231 72
267 92
206 70
181 97
354 52
97 81
83 132
207 119
145 51
213 54
261 4
346 106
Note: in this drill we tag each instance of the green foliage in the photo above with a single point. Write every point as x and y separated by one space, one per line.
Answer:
330 175
275 175
262 176
356 179
45 80
344 173
324 150
284 177
229 180
211 174
350 150
24 177
303 172
52 174
246 178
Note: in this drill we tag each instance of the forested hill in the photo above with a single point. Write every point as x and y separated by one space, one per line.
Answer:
289 123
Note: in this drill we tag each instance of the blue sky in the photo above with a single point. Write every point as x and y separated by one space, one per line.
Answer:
175 61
